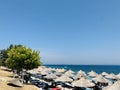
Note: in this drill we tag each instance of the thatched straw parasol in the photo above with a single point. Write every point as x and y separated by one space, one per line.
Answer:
51 76
104 74
43 73
92 74
16 82
64 78
70 71
83 83
112 76
115 86
81 72
80 75
100 79
69 74
60 70
118 76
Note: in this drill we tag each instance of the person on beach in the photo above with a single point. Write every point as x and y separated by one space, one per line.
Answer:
54 86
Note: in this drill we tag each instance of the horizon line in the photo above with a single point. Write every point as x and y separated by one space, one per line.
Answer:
87 64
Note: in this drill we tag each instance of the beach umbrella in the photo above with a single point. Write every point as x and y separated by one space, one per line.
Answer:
92 74
70 71
104 74
51 76
80 75
112 76
49 70
64 78
45 69
115 86
33 71
83 83
41 67
81 72
16 82
43 73
58 73
118 76
106 88
100 79
69 74
60 70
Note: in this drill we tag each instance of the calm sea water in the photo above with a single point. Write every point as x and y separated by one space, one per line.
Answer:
87 68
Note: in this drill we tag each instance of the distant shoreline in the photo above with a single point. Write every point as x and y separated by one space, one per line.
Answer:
87 68
83 64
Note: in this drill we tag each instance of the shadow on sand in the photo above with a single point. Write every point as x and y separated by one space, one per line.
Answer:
10 84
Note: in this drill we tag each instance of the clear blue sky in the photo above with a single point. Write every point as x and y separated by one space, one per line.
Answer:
65 31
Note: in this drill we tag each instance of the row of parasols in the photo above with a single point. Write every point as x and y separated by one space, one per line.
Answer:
79 79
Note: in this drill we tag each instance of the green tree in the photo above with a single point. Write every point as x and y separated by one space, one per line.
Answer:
20 57
0 62
3 54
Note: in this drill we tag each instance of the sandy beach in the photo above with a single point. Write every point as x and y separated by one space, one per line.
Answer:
6 76
72 81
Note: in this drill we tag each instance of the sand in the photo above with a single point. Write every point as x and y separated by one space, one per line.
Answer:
6 76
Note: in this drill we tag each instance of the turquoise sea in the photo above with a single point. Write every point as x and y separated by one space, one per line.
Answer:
87 68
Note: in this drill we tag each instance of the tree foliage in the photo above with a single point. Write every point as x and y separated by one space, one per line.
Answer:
0 62
20 57
3 54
